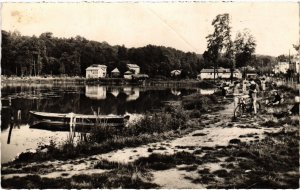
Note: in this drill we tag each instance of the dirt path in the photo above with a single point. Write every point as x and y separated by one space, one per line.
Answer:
218 131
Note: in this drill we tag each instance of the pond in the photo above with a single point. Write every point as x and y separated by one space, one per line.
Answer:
18 136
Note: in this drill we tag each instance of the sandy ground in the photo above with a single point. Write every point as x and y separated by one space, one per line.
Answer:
218 131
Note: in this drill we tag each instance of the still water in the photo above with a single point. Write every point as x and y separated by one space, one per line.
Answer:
17 137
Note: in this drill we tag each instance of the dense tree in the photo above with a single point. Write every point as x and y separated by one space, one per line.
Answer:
283 58
244 48
46 54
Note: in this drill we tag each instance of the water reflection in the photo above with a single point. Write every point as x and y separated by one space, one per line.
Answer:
115 91
95 92
100 92
176 92
132 93
206 91
17 136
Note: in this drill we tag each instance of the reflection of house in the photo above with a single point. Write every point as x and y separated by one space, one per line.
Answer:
132 93
175 92
175 73
281 67
220 73
95 92
115 72
96 71
115 92
134 68
206 91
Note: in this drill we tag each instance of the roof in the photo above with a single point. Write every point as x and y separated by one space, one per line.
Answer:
176 71
283 63
96 67
116 70
207 71
133 66
219 70
249 68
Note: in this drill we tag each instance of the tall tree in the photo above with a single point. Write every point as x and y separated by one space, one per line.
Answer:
245 45
220 41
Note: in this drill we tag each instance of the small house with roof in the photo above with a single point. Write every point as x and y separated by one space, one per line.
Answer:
96 71
175 73
115 72
135 69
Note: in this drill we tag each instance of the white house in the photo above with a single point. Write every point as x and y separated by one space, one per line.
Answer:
135 68
128 75
220 73
281 67
96 71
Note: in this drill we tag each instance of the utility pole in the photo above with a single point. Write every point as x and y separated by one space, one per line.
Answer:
214 72
261 66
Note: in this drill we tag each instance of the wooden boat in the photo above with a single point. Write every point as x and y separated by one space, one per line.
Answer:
65 120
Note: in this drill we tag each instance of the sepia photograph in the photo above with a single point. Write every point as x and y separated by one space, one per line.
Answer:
150 95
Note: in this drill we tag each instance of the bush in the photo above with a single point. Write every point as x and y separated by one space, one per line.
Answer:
160 122
102 133
199 102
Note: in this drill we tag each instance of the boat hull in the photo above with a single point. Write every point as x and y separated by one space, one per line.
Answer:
65 126
62 121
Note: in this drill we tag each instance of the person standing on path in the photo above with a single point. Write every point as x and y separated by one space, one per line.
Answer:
253 89
236 94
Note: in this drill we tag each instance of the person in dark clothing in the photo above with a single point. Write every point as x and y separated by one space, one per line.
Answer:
295 109
277 99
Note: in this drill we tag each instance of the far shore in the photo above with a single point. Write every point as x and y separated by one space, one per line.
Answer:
105 81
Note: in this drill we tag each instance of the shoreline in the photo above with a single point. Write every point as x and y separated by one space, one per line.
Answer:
109 81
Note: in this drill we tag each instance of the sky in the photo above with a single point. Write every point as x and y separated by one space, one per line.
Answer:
183 26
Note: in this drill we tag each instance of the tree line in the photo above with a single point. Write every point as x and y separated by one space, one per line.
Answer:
49 55
46 54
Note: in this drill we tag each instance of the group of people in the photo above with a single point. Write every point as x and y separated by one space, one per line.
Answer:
250 89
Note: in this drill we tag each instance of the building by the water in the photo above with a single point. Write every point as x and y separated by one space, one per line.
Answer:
281 67
96 71
219 73
135 69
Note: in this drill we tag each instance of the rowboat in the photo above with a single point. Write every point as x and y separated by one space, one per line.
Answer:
62 121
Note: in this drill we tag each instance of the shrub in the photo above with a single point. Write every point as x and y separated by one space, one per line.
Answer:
199 102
